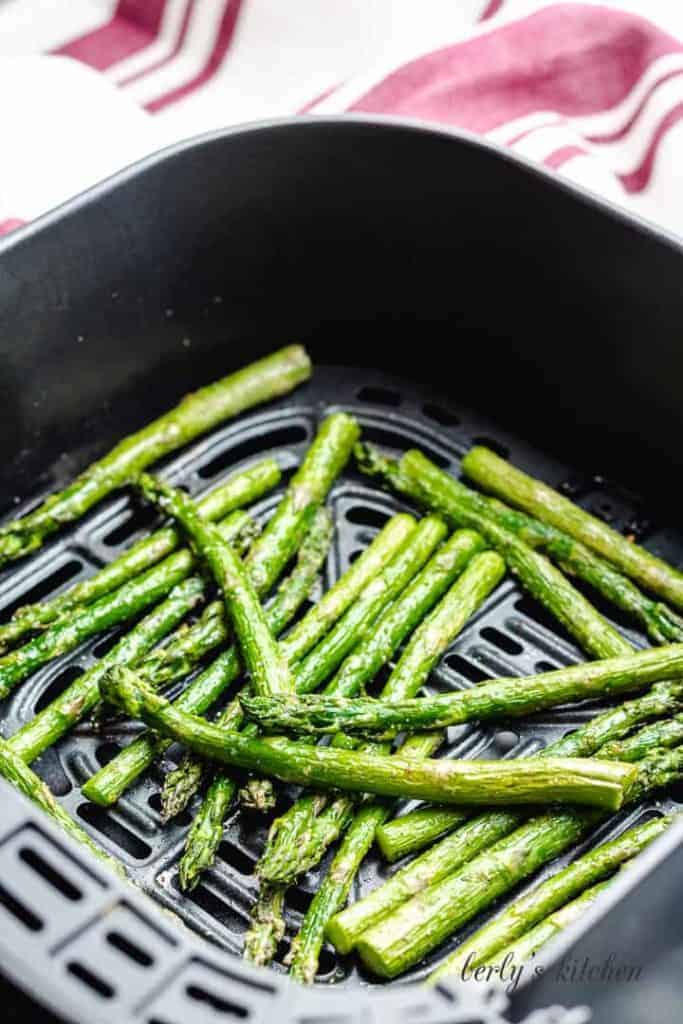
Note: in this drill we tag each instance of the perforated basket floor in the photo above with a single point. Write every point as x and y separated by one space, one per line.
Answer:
106 950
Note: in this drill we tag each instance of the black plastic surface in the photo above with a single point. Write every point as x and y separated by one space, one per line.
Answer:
447 297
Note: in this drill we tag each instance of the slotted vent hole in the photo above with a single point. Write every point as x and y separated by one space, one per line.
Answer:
236 858
501 640
106 645
99 819
400 442
218 1004
57 685
444 417
366 515
106 752
355 555
535 611
217 908
545 666
257 444
89 978
139 518
129 949
48 585
51 875
327 962
19 910
380 396
466 668
300 900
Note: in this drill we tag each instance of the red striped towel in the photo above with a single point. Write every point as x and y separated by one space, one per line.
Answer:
593 91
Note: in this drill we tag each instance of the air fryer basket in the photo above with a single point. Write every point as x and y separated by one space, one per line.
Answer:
448 294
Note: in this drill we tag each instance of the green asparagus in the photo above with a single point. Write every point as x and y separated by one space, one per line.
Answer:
268 670
238 490
659 621
121 605
497 475
267 927
357 621
527 945
511 697
418 478
194 415
549 895
534 780
423 922
486 828
270 554
18 773
184 781
666 733
286 855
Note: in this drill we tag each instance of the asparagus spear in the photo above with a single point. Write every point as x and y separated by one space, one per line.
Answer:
267 559
15 771
267 927
194 415
81 696
418 478
497 475
660 622
182 783
420 828
359 619
423 922
511 697
527 945
268 670
536 780
667 733
532 907
287 856
121 605
485 829
238 490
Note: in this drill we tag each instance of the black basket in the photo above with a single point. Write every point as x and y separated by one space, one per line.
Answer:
450 294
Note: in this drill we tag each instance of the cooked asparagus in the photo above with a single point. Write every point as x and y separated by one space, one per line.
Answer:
18 773
479 832
268 669
283 861
238 490
497 475
550 895
121 605
360 617
270 554
418 478
536 780
422 923
319 714
194 415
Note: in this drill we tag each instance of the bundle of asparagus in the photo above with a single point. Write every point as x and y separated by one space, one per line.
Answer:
407 597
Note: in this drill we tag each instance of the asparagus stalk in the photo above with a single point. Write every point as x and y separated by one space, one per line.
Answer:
419 479
194 415
666 734
81 696
553 893
423 922
267 927
182 783
121 605
287 856
513 697
268 670
238 490
18 773
536 780
267 559
497 475
206 832
527 945
483 830
422 827
660 622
